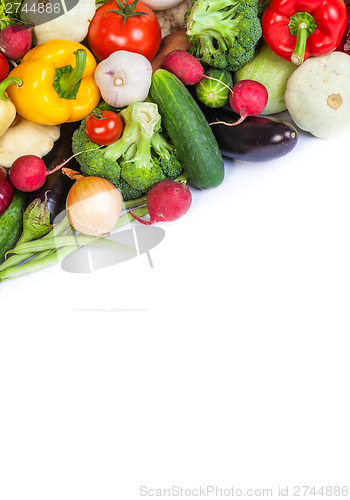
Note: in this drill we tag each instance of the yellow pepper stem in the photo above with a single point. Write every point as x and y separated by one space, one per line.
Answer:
67 79
5 83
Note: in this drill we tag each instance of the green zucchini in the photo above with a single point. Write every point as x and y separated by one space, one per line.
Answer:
188 129
11 223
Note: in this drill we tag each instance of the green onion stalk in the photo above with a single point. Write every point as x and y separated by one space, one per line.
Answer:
30 256
42 245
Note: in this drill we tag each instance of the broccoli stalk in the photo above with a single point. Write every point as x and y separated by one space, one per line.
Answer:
141 134
142 126
135 162
224 33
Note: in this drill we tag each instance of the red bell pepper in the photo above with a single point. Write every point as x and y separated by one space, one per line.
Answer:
298 29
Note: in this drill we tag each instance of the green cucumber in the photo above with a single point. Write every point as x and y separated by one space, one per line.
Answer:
213 93
11 223
188 129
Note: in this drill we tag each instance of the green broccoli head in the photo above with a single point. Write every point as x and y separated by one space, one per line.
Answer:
224 33
139 159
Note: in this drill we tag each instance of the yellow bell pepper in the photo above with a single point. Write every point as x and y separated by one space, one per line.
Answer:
58 83
7 108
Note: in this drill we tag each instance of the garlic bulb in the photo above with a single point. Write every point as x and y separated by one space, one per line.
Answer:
161 4
124 77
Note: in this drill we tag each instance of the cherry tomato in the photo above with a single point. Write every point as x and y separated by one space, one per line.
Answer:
140 33
4 67
104 127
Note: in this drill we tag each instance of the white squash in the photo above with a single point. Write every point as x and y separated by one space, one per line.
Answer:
24 137
318 95
72 25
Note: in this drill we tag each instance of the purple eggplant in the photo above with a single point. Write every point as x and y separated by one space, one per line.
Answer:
57 184
256 139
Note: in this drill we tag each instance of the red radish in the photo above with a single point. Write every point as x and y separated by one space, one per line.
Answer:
28 172
7 190
16 40
248 98
167 200
185 66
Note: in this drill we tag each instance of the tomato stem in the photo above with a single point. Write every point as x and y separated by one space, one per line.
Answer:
126 10
98 115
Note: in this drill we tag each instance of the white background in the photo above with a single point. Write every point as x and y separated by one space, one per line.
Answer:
225 364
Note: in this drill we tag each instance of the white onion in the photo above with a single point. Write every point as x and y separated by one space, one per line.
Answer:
124 77
93 205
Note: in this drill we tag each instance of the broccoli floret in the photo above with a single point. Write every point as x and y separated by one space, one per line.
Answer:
224 33
141 157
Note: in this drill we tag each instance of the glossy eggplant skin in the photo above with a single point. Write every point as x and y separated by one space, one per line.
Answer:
57 184
256 139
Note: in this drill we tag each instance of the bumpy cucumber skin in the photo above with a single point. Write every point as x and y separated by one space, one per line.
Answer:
188 129
11 224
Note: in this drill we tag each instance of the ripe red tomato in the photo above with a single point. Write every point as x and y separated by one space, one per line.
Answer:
4 67
104 128
140 33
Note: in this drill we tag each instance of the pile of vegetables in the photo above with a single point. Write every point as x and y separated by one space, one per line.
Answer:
115 112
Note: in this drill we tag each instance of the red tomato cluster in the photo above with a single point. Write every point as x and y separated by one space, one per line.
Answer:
104 129
110 31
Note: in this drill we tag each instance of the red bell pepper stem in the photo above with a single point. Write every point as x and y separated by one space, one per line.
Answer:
302 25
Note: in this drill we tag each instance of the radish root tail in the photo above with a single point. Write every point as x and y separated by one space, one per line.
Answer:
240 120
